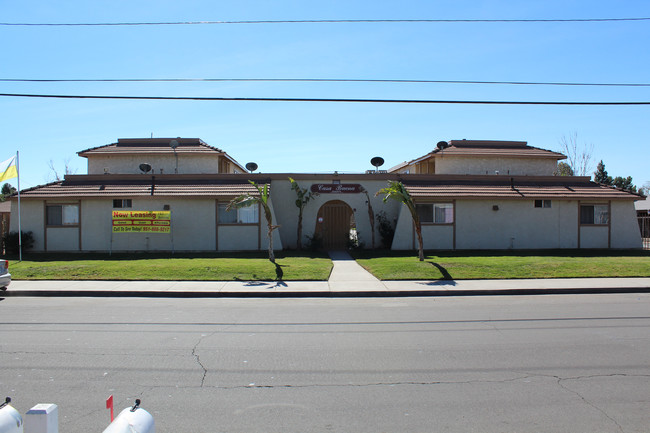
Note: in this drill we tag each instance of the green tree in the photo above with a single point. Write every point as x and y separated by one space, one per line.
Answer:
7 190
303 197
624 183
262 199
601 176
563 169
397 191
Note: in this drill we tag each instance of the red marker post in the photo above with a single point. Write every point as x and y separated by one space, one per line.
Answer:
109 405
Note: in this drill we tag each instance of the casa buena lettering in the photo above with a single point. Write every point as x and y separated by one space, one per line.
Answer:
336 188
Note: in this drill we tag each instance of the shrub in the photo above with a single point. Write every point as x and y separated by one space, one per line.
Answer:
386 230
314 243
11 242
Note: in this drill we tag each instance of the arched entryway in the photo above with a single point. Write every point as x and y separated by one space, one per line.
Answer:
334 222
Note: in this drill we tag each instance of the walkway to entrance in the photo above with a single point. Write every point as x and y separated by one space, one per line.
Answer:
347 273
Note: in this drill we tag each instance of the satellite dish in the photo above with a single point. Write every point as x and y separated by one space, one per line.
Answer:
377 161
442 145
173 144
145 168
251 166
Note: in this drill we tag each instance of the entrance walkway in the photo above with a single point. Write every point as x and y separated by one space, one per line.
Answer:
347 274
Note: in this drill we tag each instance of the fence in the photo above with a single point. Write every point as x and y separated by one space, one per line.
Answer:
644 226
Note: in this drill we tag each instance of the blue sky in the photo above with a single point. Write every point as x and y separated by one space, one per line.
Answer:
324 137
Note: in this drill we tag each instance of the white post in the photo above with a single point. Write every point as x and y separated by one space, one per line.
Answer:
20 234
42 418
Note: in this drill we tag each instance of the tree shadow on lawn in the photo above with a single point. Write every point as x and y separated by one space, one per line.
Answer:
446 276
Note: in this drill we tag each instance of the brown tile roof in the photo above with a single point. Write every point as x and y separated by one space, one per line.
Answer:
152 145
519 187
141 186
485 148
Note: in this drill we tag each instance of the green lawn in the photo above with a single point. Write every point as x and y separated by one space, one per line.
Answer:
385 265
500 265
167 267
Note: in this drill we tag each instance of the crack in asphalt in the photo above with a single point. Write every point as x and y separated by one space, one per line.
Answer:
559 382
197 358
406 383
370 384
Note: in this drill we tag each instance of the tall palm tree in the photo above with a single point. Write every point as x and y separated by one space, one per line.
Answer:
262 199
397 191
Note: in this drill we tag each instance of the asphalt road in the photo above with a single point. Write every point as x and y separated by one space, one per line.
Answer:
568 363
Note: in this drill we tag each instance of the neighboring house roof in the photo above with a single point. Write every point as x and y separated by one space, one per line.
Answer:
525 187
485 148
643 204
142 186
128 146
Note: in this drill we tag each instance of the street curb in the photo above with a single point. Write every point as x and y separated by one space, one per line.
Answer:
321 294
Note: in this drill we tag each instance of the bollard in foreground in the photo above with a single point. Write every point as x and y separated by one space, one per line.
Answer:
42 418
10 419
132 420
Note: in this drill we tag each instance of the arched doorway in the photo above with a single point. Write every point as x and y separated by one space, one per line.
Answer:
334 222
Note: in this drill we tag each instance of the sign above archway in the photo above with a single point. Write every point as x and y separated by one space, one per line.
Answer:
336 188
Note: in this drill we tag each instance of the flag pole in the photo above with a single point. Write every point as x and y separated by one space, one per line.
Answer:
20 234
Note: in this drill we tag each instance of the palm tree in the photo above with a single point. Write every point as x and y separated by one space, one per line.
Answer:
262 199
304 196
397 191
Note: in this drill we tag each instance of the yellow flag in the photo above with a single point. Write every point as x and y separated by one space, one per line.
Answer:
8 169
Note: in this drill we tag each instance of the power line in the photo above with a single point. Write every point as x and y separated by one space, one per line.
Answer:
318 80
384 101
337 21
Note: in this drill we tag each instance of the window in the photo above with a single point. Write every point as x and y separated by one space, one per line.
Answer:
62 215
594 214
119 203
543 203
245 215
436 213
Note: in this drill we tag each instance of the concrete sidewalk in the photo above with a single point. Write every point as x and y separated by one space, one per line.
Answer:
348 279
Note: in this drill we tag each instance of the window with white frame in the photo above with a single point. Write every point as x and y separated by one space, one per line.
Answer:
244 215
594 214
121 203
62 215
543 203
435 213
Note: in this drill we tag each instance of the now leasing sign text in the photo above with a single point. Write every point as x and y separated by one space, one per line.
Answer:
141 221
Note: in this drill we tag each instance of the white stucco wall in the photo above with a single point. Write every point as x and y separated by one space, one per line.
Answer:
129 164
593 236
439 237
404 231
240 238
517 224
63 239
287 212
625 227
505 166
32 220
192 220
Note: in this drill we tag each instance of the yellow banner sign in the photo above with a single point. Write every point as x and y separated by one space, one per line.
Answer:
140 221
